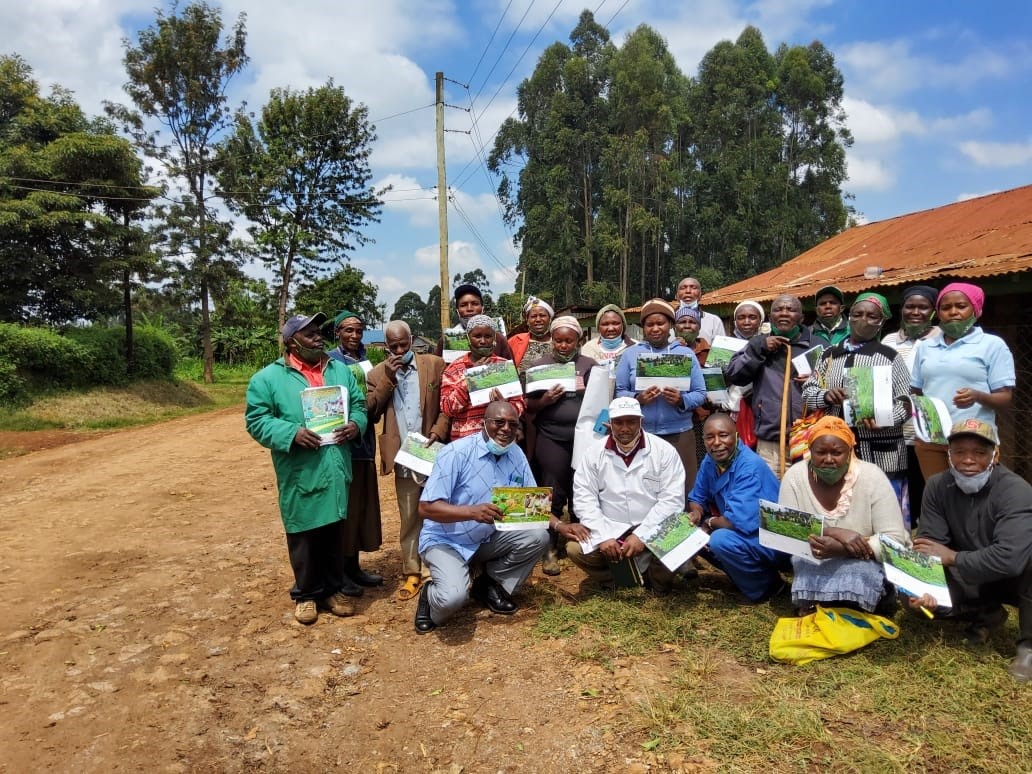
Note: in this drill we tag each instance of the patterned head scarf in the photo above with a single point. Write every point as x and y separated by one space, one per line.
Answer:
534 301
974 294
878 300
480 321
687 311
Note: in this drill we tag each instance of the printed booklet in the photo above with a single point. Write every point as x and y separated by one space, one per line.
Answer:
456 344
545 377
932 420
524 507
674 540
870 395
722 349
806 362
716 386
914 573
787 529
480 380
325 409
415 455
669 369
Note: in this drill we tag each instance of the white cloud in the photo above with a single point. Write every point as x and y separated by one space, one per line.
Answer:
998 154
867 174
965 196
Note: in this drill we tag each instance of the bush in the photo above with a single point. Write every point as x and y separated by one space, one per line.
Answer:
44 357
12 386
153 349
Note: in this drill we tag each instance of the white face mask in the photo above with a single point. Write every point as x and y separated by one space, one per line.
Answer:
971 484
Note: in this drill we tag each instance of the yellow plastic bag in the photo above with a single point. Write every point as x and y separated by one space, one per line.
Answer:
831 631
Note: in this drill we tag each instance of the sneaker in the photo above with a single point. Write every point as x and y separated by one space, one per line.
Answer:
550 562
306 612
338 604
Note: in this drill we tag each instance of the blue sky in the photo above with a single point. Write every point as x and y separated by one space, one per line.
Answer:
937 94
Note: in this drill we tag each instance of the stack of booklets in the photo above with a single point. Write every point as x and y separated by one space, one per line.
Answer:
788 529
522 507
415 455
325 409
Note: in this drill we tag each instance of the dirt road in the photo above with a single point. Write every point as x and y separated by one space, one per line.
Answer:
145 624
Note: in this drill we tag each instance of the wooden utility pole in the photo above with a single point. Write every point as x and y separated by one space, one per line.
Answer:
442 207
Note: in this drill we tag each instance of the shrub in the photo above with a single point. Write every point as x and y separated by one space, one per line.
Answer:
12 386
154 351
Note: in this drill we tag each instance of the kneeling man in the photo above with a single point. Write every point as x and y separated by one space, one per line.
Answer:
725 502
626 479
459 523
977 518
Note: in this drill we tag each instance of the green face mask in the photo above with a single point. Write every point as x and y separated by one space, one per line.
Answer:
791 333
829 475
916 330
957 328
688 337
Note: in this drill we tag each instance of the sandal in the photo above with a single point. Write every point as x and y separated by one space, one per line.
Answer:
409 589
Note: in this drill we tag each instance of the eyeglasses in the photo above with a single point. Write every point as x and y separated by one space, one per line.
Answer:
513 423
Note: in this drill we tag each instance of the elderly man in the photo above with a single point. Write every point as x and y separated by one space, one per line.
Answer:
765 364
689 291
405 389
459 523
725 502
628 479
977 518
313 478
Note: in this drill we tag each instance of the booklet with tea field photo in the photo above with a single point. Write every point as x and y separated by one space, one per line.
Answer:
545 377
325 409
456 344
722 349
480 380
870 395
674 540
807 361
523 507
932 420
666 369
716 385
415 455
914 573
788 529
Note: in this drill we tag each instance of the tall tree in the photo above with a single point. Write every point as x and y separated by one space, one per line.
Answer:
300 173
410 308
345 289
179 70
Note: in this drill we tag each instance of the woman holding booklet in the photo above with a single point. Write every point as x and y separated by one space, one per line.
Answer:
555 388
856 502
467 419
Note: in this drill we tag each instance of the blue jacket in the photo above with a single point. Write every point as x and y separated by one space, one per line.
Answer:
660 417
736 494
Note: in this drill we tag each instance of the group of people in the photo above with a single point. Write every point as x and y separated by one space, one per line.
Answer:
665 450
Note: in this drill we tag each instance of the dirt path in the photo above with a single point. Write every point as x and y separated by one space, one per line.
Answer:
145 624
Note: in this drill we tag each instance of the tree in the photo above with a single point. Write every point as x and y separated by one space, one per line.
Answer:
346 289
410 308
431 326
179 71
301 174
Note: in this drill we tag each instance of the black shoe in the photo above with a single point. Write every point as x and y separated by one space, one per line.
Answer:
349 587
488 592
423 622
360 576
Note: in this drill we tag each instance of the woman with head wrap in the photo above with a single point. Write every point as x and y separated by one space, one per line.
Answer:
747 318
857 503
829 386
362 530
528 347
971 371
918 312
467 419
553 413
612 338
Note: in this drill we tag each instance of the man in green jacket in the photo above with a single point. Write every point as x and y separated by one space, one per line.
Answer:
312 474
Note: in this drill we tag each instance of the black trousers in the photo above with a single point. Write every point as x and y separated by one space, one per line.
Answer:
553 462
317 559
1008 591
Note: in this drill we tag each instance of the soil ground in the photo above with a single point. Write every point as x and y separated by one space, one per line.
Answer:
145 624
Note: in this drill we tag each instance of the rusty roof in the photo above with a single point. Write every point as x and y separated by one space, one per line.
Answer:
981 237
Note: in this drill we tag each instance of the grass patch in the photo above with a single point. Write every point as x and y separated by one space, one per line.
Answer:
923 702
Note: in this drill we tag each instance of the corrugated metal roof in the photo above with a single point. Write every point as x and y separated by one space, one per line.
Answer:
981 237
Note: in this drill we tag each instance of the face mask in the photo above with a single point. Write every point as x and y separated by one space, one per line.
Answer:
690 304
626 449
955 329
829 475
916 330
861 330
561 358
688 337
611 345
971 484
791 333
407 357
306 353
496 448
478 352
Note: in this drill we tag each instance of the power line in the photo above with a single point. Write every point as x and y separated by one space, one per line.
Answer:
490 41
504 49
622 6
479 238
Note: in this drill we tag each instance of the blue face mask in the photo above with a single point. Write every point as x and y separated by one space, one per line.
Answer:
496 448
971 484
407 357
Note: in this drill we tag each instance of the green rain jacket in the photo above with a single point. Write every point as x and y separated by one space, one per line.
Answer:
313 483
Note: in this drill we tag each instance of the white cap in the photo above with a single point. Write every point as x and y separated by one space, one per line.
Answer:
624 407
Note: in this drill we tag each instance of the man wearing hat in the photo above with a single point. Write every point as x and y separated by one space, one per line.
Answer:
313 478
469 303
627 482
977 518
830 327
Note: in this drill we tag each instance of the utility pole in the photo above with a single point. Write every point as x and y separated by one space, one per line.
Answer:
442 207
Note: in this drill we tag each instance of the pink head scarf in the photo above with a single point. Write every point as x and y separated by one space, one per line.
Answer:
974 294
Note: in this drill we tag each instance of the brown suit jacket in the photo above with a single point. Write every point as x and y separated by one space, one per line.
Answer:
380 403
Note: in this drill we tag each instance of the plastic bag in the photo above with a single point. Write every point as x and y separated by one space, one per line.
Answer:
597 395
830 631
801 434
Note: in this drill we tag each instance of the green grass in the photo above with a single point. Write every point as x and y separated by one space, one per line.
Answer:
923 702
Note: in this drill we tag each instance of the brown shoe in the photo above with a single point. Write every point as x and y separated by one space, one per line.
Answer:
305 612
338 604
550 562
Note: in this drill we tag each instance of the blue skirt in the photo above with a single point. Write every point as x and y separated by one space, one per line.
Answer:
859 581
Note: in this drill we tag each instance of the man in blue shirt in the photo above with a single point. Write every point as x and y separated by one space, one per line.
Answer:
725 502
459 523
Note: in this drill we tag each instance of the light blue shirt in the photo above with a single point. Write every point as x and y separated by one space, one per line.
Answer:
406 400
979 361
659 417
464 474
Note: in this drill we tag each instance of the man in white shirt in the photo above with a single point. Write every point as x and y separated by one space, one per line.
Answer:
689 291
626 482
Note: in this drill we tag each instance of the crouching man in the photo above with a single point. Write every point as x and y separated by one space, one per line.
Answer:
459 523
977 518
626 479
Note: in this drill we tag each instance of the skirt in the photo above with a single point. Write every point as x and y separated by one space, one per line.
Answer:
859 581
